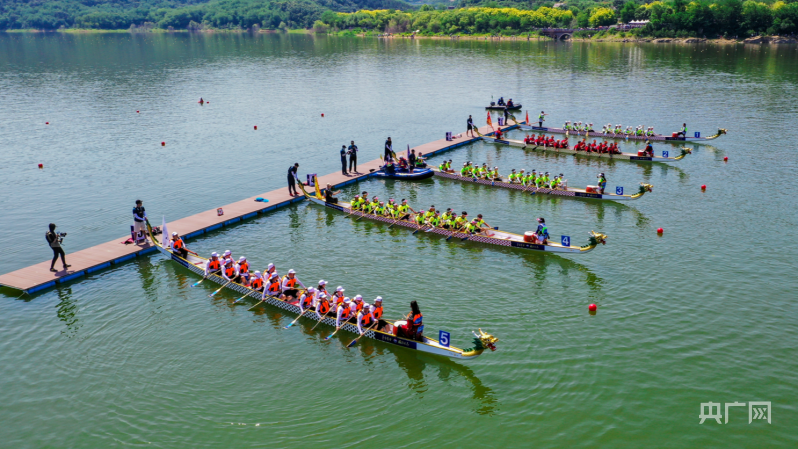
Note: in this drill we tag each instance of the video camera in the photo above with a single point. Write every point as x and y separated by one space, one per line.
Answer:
61 236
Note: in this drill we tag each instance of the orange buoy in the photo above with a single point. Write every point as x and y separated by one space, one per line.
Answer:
163 144
41 165
660 231
256 127
592 307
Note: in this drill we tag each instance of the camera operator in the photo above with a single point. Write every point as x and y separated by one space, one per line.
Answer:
54 240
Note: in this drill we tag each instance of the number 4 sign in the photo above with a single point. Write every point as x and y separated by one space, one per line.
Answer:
566 241
444 339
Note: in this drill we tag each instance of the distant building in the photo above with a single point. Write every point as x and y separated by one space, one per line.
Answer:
634 24
558 5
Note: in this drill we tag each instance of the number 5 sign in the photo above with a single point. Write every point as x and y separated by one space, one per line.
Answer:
444 339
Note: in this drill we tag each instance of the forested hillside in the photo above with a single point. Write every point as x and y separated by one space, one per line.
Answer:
121 14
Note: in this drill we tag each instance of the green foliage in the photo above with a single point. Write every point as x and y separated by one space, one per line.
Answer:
627 12
602 17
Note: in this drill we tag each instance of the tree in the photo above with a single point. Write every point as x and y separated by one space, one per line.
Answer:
627 13
602 17
756 17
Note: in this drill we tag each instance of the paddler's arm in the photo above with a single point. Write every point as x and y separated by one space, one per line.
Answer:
359 323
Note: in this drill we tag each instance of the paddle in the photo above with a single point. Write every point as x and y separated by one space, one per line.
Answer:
220 289
297 318
322 318
336 330
352 343
398 219
198 282
258 303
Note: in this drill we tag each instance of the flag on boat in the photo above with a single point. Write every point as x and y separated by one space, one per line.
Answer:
490 123
527 117
165 233
408 151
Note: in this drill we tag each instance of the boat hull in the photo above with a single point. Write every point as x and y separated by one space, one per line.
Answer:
569 193
418 173
501 108
617 157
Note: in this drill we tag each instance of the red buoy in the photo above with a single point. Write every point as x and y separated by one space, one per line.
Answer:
41 165
592 307
256 127
137 112
703 187
163 144
660 231
725 158
46 123
322 114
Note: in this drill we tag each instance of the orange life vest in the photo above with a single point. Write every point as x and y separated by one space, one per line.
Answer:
366 319
306 301
345 312
178 244
359 307
290 282
229 272
324 307
257 284
243 268
377 312
214 264
416 320
274 287
338 298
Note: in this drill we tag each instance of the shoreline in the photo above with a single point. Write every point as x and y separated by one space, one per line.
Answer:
769 40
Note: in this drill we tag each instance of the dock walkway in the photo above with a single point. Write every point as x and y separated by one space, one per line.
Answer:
39 277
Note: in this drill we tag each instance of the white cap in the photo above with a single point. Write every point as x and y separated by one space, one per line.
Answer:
214 254
270 266
378 299
227 252
339 289
174 233
242 258
291 272
347 300
274 275
227 261
322 282
323 296
256 274
366 306
311 290
358 298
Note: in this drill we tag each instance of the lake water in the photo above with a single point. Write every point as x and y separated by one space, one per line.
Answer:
133 356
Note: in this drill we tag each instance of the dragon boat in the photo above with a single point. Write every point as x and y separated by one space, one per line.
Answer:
566 192
492 237
441 346
405 174
622 156
654 138
499 107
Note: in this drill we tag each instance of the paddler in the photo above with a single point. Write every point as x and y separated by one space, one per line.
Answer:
391 208
178 246
494 174
257 282
290 282
498 134
322 287
380 209
602 182
461 222
273 287
683 131
214 265
648 150
365 319
338 296
481 223
230 271
243 268
512 176
465 171
323 306
329 195
306 300
355 203
403 210
270 270
420 217
342 313
542 231
228 255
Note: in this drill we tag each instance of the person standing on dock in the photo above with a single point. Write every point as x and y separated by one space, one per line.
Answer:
292 179
352 150
54 240
139 216
388 149
541 119
470 127
343 160
506 116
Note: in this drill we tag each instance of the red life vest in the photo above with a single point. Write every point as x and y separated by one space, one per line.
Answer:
306 300
344 312
214 264
359 307
324 307
229 272
257 284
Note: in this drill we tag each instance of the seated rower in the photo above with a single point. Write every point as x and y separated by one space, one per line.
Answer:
214 265
243 268
329 195
412 326
510 103
365 318
257 282
648 150
466 170
290 282
177 246
338 296
227 255
403 210
434 220
230 271
542 231
355 203
380 209
501 101
498 135
273 287
403 164
461 222
322 287
420 217
342 313
512 176
494 175
270 270
323 306
306 300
